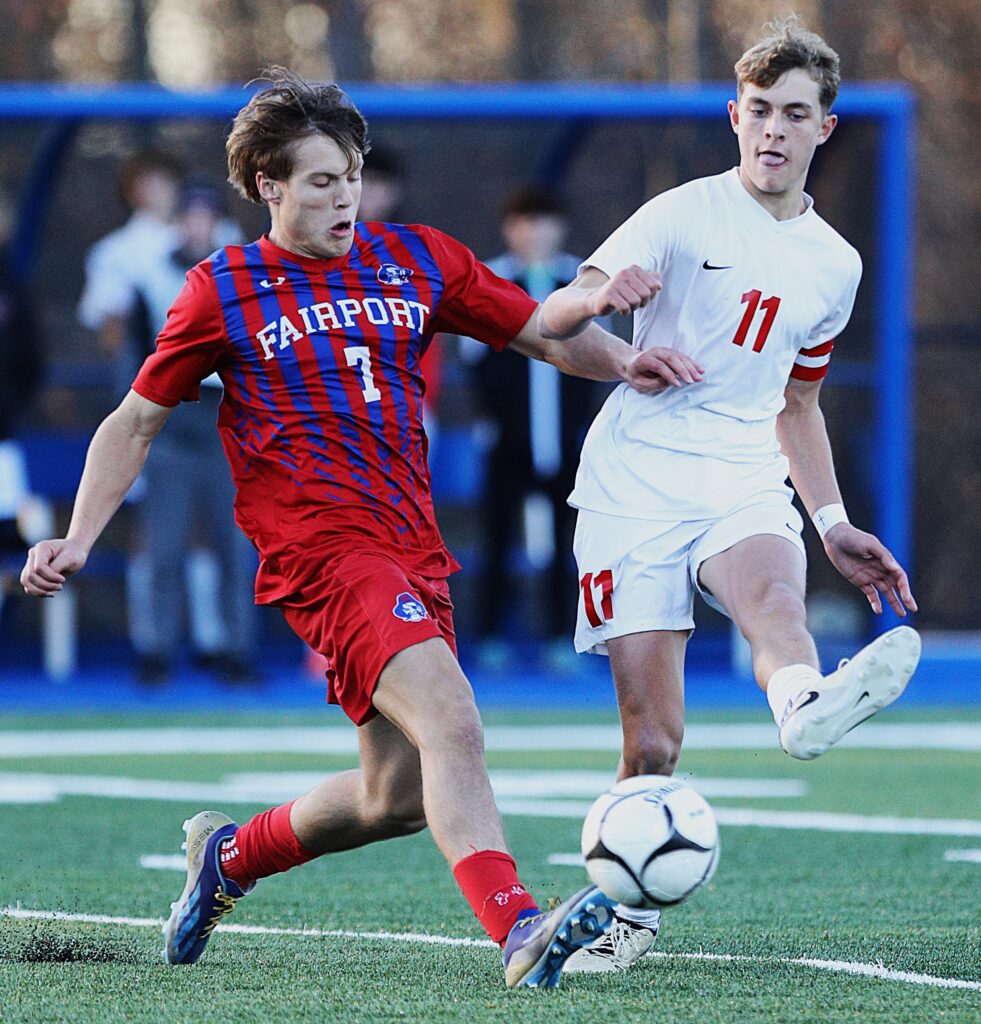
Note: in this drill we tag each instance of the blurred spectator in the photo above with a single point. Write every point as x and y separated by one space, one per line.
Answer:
382 186
132 277
535 420
21 372
382 191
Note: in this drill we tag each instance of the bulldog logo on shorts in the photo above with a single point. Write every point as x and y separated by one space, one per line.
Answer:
409 608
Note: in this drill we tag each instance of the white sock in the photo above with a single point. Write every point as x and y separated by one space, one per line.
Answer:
646 918
786 683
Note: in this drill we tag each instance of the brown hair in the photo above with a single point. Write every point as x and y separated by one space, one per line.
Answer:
143 162
786 46
265 130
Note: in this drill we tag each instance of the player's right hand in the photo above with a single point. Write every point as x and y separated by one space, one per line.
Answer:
49 563
629 289
654 370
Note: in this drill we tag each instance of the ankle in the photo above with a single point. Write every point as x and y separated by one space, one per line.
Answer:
786 683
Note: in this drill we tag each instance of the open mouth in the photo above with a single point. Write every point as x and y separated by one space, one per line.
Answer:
342 228
770 158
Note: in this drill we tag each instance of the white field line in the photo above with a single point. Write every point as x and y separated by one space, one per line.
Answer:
816 821
968 856
48 787
164 861
520 782
837 966
277 787
963 736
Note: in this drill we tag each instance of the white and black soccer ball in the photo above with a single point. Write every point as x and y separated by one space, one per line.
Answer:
650 841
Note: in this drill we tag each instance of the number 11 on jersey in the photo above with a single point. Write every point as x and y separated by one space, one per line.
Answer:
603 582
771 305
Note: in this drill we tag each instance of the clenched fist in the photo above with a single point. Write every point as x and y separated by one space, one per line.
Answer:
631 288
49 564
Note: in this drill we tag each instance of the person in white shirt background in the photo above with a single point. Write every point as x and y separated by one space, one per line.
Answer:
132 277
533 420
687 493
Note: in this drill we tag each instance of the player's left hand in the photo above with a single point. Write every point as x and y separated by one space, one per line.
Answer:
656 369
865 561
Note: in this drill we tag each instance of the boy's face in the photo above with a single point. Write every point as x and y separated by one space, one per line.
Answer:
779 128
314 209
534 237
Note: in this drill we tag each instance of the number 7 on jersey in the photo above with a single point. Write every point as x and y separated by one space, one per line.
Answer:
360 356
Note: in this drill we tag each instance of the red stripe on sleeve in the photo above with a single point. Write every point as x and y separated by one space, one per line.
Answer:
824 349
809 372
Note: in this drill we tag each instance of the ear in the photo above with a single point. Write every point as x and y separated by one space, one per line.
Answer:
733 107
268 189
827 127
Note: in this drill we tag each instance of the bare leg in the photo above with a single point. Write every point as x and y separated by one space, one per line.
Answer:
424 692
648 672
760 582
379 800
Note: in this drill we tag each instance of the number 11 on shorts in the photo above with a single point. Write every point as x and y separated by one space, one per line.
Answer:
601 582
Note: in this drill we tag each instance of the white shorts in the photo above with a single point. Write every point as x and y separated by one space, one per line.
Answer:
638 575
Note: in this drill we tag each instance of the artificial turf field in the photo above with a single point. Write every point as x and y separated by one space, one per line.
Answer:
810 917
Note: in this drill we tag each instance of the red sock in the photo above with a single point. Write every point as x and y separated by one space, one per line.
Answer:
263 846
489 881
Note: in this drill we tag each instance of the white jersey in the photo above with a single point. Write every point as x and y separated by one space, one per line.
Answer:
752 300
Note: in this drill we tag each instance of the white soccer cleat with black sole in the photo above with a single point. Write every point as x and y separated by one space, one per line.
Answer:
818 716
622 946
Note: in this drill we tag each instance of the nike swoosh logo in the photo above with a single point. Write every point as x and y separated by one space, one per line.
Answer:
708 266
812 696
792 709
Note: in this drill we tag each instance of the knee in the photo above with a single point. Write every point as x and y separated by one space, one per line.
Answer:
782 601
457 732
654 751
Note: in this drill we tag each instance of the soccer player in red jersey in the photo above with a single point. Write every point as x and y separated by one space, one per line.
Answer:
317 331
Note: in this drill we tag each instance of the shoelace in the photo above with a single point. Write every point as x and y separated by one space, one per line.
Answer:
620 942
223 904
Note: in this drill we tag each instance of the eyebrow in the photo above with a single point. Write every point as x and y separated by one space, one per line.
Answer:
357 168
795 105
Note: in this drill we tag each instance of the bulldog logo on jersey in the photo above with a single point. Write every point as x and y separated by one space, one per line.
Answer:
409 608
392 273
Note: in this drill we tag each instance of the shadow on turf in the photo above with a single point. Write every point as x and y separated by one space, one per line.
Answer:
42 947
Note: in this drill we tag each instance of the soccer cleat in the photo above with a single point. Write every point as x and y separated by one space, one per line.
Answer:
538 946
208 896
621 947
816 718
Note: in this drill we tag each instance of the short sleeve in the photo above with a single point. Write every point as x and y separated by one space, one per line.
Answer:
189 347
647 238
475 301
814 357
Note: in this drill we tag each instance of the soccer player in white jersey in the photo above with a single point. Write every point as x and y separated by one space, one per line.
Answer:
687 492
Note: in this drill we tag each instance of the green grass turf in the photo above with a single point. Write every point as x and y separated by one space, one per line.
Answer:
777 894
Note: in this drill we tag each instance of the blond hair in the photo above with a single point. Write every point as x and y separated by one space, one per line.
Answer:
788 45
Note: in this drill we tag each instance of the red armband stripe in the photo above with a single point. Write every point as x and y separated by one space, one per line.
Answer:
809 372
823 349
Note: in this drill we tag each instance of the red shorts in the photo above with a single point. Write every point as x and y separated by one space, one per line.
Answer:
368 609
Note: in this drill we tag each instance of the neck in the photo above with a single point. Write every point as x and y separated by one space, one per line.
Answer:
780 205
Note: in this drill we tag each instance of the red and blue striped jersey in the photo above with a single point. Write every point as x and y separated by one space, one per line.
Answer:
321 418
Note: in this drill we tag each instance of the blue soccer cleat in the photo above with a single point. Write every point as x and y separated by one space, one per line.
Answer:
208 896
538 946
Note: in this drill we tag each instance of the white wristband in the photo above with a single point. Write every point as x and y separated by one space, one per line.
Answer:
827 516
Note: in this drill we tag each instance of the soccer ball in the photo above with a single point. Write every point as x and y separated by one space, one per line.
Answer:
650 841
